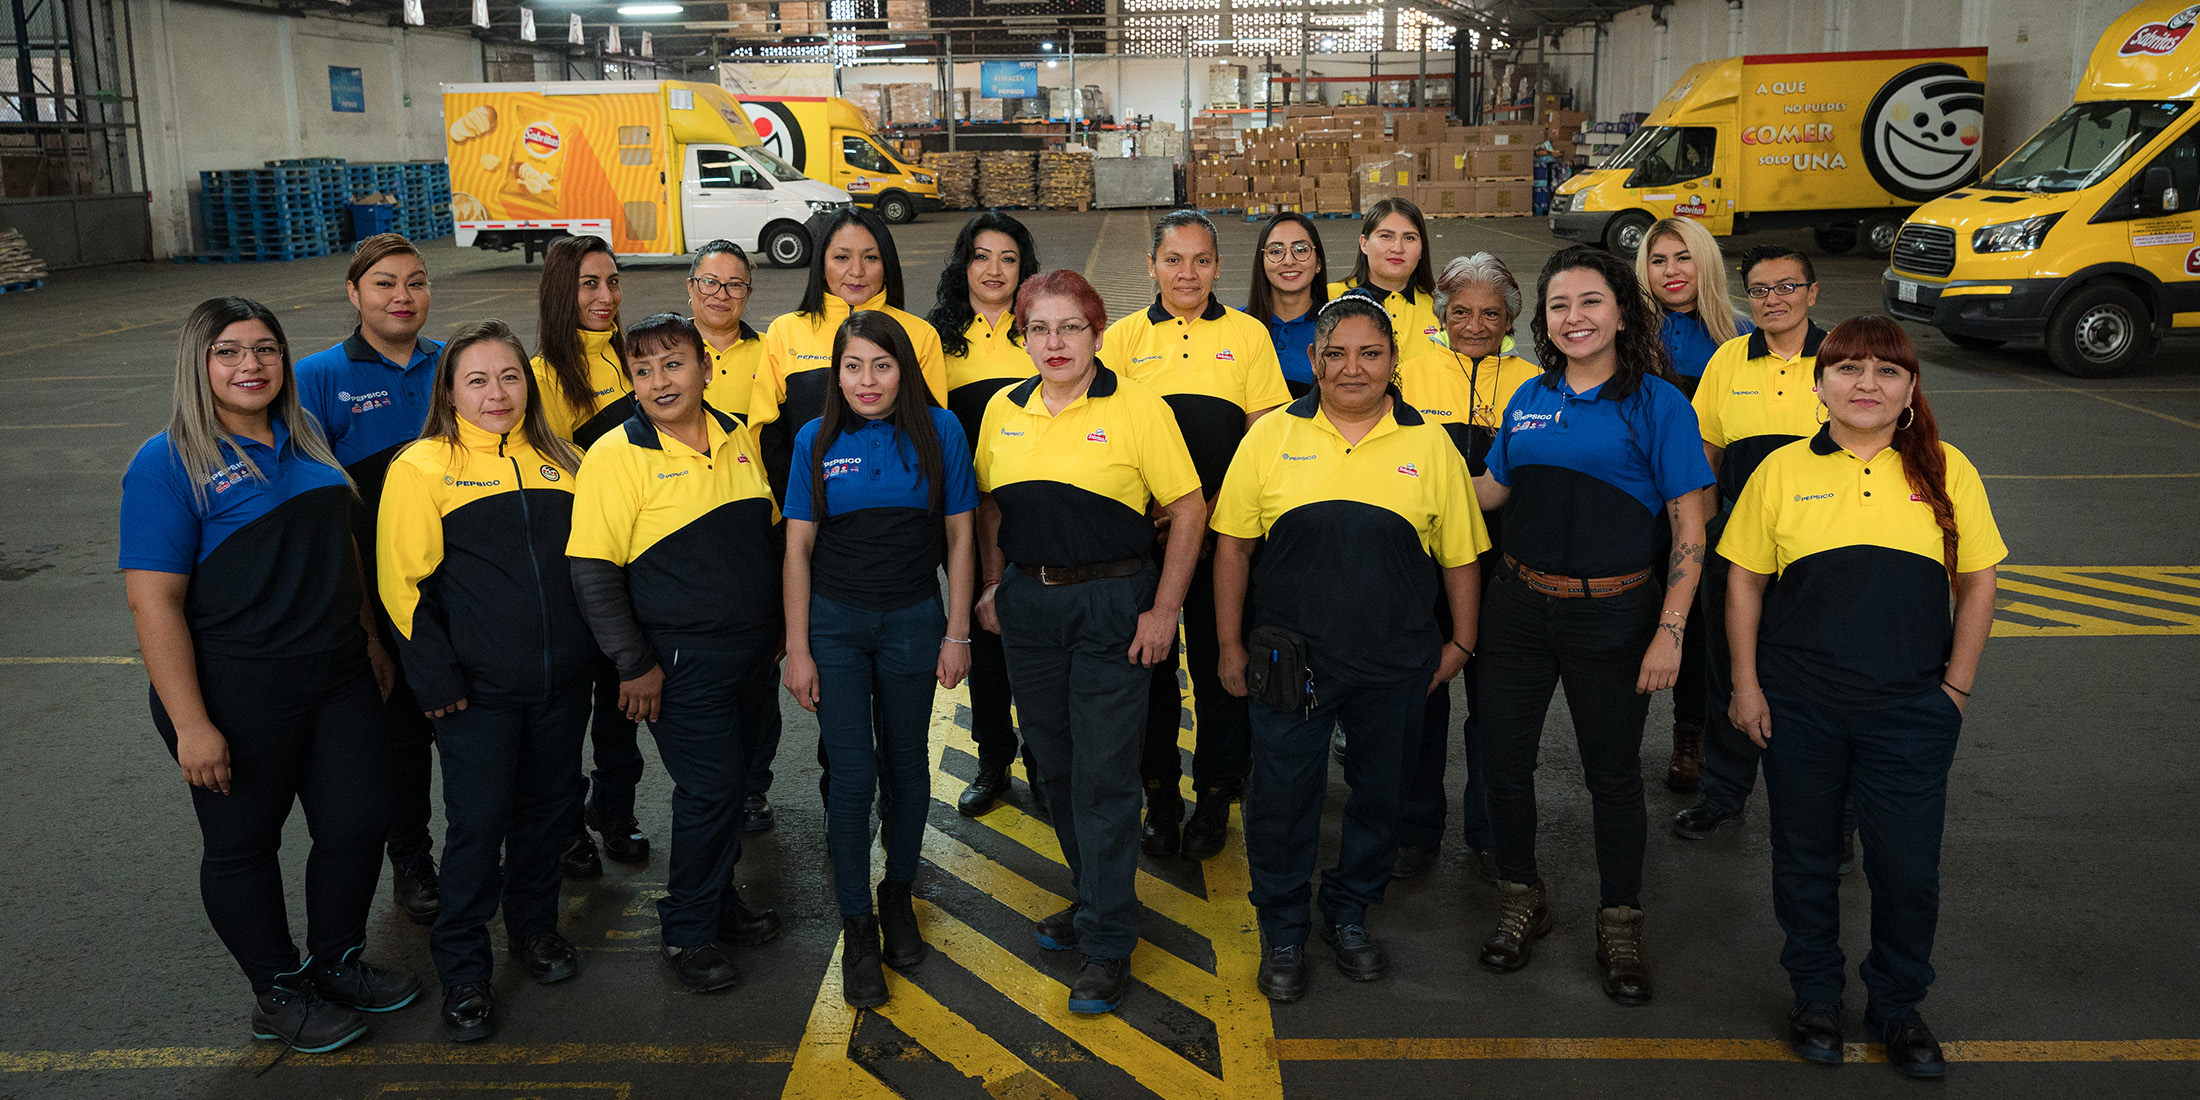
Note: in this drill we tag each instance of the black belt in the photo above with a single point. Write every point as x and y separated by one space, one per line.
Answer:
1079 574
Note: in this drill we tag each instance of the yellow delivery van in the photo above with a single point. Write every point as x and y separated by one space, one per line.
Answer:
2084 237
1843 144
655 167
829 138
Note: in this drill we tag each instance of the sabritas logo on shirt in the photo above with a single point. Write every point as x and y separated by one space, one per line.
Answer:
1410 470
1225 356
741 457
1097 435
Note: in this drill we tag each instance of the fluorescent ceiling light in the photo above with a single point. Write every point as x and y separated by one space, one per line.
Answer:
887 46
649 9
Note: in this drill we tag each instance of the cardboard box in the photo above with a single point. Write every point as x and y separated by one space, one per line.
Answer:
1417 127
1306 110
1508 197
1462 135
1396 171
1515 135
1265 184
1371 148
1498 162
1233 185
1447 198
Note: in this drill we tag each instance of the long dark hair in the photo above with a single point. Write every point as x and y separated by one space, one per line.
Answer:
442 421
1353 305
951 310
1424 273
558 319
1918 442
912 414
1640 352
814 292
1260 301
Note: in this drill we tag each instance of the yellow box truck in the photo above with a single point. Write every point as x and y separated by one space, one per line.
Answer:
655 167
829 138
2084 237
1843 144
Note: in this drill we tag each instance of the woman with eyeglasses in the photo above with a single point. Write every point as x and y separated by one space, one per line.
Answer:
718 286
1394 270
1069 462
243 581
1216 368
1852 674
1290 284
974 314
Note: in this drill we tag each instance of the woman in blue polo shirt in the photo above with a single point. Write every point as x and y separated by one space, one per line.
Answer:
371 394
880 495
244 583
1290 285
1852 674
1590 461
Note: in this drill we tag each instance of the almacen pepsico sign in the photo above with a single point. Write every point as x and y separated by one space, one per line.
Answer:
2159 39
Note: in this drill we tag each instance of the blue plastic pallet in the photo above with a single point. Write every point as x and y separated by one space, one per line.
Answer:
18 288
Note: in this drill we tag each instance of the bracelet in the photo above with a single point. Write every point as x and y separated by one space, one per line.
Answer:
1682 615
1957 690
1460 648
989 585
957 641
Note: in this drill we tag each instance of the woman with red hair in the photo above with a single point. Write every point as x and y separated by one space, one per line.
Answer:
1852 674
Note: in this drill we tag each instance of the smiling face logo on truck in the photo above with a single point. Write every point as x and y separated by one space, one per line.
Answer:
1921 134
2160 39
775 125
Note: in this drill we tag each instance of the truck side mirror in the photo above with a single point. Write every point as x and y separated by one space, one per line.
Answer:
2157 192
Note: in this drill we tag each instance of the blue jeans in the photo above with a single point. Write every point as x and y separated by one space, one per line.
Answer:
874 665
1283 803
1893 763
703 746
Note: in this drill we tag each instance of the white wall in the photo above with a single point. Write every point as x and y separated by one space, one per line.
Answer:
223 88
2037 49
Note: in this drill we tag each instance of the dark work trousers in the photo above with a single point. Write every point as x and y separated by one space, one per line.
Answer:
1529 645
992 728
1692 690
699 739
412 764
613 737
300 730
511 798
876 675
1729 771
1428 802
1084 718
1283 803
760 721
1893 763
1223 746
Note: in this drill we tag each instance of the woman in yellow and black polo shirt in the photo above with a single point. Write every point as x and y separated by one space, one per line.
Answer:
1069 461
674 562
1394 271
580 371
1369 522
975 317
497 654
1464 387
720 279
1852 675
1217 369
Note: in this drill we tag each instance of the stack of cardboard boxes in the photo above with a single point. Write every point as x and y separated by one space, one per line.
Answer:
1342 160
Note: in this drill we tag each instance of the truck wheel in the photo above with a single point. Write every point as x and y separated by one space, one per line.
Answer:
895 208
1879 235
2100 332
1624 234
787 245
1836 240
1974 343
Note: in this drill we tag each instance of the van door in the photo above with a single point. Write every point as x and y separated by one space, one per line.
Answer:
861 169
1681 175
723 195
2164 243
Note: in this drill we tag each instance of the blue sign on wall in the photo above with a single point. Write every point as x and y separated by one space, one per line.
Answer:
346 91
1008 79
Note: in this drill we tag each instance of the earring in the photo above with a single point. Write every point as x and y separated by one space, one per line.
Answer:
1822 414
1912 418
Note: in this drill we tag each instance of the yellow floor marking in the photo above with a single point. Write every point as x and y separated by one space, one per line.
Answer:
1717 1050
40 427
822 1069
2073 575
957 1042
2074 624
2009 584
68 660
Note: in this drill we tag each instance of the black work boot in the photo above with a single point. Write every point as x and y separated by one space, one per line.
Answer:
469 1011
414 886
579 860
353 982
1522 918
862 979
983 791
291 1013
622 835
1619 952
1684 773
704 969
1210 823
746 926
1059 931
1164 814
897 921
1099 986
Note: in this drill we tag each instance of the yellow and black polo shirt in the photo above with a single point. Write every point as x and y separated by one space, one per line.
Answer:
1214 370
1073 488
796 374
1357 535
470 547
1466 396
733 372
1412 312
693 531
613 396
1860 617
995 361
1752 402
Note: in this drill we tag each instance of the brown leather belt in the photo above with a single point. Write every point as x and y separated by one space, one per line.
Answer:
1569 588
1079 574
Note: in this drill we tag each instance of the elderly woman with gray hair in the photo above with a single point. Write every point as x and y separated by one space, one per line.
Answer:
1463 387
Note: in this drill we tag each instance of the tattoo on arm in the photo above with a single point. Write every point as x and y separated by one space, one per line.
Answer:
1672 630
1683 553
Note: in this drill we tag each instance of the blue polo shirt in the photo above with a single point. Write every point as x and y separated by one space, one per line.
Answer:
1690 344
879 544
1590 476
272 565
1292 339
369 407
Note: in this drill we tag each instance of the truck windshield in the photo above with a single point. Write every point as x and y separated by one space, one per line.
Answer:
1675 154
2086 144
1631 153
780 170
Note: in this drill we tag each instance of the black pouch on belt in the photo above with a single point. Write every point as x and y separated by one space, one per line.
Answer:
1275 669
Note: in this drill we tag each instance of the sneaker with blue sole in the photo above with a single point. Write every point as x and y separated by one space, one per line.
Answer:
355 983
1099 986
292 1015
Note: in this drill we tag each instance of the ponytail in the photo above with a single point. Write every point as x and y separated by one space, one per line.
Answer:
1916 434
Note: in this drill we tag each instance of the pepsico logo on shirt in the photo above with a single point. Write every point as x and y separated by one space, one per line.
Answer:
1097 435
841 467
540 138
1410 470
227 478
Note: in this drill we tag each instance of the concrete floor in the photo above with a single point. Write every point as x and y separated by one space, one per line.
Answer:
2065 938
